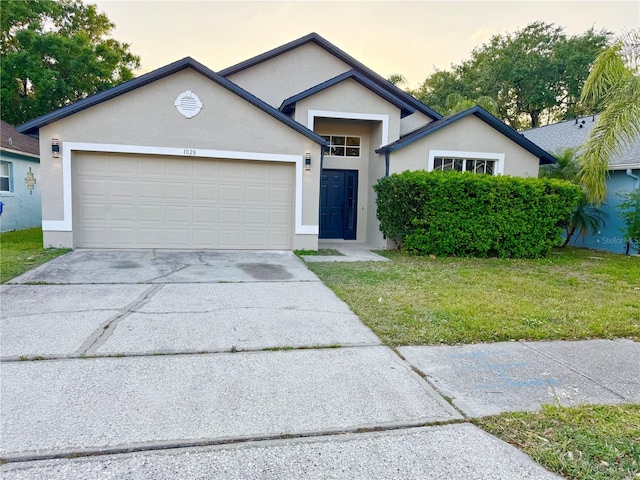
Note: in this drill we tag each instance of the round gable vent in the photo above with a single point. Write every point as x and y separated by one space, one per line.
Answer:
188 104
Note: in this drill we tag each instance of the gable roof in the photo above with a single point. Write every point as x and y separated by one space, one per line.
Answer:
482 114
573 133
13 141
31 127
342 55
288 105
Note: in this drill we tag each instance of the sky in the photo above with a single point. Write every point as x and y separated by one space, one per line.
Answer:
412 38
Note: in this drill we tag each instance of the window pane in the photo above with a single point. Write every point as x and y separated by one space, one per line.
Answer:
353 141
489 167
469 166
353 152
4 169
447 164
437 163
337 151
326 137
457 164
337 140
4 184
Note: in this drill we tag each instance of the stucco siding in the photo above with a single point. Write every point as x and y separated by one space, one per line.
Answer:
413 122
469 134
290 73
148 117
351 97
22 206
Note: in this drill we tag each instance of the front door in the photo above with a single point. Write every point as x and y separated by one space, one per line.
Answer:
338 204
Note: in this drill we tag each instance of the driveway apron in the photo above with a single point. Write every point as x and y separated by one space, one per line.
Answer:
112 352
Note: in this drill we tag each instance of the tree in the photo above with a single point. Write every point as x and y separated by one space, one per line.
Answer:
533 73
54 53
397 79
457 103
585 217
630 213
614 82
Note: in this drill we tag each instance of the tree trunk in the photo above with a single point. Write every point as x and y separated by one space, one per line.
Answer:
535 118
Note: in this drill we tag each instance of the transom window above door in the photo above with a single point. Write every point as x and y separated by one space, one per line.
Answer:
474 165
343 145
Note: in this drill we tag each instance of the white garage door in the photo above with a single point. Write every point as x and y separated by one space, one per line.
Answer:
139 201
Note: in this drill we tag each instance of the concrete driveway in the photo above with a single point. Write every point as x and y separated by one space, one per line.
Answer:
169 354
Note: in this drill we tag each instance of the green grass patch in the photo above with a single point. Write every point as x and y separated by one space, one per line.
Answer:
412 300
22 250
598 442
322 252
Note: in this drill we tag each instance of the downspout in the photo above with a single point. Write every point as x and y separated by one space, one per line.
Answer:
635 177
387 154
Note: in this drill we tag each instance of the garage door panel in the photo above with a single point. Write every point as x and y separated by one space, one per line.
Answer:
119 188
203 192
280 195
151 190
231 193
145 201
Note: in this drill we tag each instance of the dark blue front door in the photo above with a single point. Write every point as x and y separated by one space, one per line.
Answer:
338 204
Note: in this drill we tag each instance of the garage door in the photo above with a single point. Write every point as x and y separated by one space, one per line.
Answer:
138 201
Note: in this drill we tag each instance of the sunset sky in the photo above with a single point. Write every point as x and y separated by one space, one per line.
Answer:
411 38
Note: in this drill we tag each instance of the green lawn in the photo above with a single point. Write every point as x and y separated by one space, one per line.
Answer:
572 294
588 442
22 250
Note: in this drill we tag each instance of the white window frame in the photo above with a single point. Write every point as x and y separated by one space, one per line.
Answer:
8 176
359 147
496 157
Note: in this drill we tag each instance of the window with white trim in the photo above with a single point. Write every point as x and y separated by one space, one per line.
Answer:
343 145
489 163
5 176
474 165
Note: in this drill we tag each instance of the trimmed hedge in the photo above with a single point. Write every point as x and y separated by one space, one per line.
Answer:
462 214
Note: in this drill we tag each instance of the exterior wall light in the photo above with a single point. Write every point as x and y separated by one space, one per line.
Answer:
307 161
55 148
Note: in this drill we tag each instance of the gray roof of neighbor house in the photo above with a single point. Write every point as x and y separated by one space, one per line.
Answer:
482 114
573 133
13 141
31 127
342 55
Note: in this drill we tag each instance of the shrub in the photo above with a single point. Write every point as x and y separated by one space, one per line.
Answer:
451 213
630 213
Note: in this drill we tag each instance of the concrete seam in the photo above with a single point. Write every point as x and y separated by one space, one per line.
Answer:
40 358
159 446
584 375
104 331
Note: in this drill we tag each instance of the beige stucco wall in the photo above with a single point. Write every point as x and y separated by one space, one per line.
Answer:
377 169
469 134
147 116
290 73
413 122
350 97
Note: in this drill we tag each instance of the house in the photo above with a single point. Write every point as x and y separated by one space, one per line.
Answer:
19 180
624 175
275 152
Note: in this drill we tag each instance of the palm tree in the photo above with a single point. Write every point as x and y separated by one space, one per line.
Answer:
585 218
565 168
614 83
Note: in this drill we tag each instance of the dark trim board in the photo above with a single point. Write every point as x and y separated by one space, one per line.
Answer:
31 127
482 114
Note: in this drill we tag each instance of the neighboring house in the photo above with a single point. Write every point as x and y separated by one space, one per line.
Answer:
624 175
19 180
272 153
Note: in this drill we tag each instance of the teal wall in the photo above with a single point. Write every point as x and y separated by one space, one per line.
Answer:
21 209
610 236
